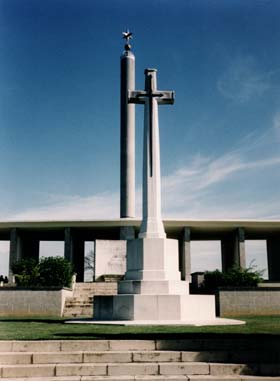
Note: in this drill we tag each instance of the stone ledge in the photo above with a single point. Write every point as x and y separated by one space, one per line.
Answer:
132 369
266 349
28 371
81 369
184 368
232 369
147 378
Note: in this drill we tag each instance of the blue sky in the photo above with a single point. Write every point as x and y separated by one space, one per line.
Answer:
59 106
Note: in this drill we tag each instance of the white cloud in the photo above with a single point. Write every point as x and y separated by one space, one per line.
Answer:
197 190
192 192
189 192
243 80
99 206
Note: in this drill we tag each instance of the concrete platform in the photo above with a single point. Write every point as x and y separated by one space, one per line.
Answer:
196 323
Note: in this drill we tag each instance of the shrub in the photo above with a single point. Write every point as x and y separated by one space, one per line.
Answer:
213 280
55 271
49 272
26 272
235 277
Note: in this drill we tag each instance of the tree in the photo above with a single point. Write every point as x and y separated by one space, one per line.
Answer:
90 263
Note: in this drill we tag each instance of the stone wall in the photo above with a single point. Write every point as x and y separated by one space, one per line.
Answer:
110 257
14 302
262 301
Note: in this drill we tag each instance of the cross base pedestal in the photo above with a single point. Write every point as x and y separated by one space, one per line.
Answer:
152 289
152 259
154 307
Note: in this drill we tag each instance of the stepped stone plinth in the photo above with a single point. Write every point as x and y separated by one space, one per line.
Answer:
152 289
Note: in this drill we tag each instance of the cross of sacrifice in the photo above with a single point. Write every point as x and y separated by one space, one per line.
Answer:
152 225
151 97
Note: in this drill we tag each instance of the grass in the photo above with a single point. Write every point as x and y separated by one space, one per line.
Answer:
55 329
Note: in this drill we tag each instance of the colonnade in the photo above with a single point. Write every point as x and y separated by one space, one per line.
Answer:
232 252
25 243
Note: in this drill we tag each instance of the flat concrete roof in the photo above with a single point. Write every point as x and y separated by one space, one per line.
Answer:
200 229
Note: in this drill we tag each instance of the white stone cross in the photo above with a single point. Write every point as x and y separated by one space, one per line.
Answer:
152 226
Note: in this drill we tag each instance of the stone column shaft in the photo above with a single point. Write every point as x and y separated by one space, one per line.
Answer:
233 250
30 247
185 254
68 245
273 258
15 249
127 176
79 258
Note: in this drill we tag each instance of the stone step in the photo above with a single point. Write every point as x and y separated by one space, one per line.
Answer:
84 292
79 356
81 305
79 300
81 313
71 304
9 358
93 291
80 297
75 367
112 287
188 347
145 378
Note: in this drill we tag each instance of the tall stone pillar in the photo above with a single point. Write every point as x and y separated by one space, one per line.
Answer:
273 258
185 254
15 249
127 174
233 250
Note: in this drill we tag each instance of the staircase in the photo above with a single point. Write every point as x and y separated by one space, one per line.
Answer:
126 360
81 303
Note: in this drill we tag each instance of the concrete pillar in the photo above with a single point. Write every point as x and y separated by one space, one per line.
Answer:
68 245
185 255
127 232
78 250
273 258
15 249
233 250
127 178
30 247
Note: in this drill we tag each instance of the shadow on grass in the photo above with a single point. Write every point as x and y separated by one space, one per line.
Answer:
193 336
32 320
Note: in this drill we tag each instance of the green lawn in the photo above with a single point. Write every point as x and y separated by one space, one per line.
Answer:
55 329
